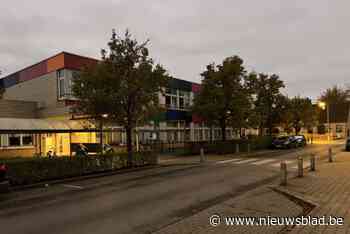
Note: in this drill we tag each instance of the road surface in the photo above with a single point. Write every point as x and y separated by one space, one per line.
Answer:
138 202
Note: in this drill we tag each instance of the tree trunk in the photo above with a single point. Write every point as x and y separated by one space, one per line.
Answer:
129 145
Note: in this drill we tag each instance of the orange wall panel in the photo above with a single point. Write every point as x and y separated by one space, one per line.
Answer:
55 63
77 62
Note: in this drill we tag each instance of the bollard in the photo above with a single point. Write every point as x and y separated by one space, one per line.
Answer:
248 148
202 159
330 155
312 162
237 148
300 167
283 174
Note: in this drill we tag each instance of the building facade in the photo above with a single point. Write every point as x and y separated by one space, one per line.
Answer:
43 91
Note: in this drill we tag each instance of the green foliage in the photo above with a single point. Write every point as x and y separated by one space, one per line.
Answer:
223 100
125 85
32 170
301 113
268 100
335 95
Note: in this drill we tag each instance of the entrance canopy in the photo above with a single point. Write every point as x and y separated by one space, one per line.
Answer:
17 125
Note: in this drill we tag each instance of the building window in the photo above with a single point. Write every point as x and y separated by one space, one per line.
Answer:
14 140
61 87
60 73
181 103
18 140
173 102
168 101
27 139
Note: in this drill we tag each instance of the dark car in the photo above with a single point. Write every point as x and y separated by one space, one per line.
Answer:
284 142
347 145
299 140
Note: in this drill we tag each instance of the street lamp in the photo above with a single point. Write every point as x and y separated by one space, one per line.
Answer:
323 106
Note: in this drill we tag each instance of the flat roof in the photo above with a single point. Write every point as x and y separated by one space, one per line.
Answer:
17 125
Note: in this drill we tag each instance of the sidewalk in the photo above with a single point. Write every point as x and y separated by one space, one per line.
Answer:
325 192
329 188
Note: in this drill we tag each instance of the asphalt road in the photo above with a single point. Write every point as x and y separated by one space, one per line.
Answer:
138 202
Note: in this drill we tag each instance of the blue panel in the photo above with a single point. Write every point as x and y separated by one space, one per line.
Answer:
178 115
2 83
11 80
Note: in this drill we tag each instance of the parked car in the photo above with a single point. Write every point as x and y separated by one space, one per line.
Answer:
283 142
300 140
347 144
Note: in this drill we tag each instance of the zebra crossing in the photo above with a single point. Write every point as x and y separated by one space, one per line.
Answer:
269 162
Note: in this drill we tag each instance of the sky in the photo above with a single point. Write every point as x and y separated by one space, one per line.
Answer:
305 42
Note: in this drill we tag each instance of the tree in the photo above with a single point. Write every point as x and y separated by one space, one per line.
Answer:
223 100
301 113
124 86
335 95
266 92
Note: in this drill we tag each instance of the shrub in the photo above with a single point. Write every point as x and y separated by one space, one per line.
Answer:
22 171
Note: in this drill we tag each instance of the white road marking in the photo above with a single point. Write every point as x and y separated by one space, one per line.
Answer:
264 161
72 186
246 161
278 164
229 161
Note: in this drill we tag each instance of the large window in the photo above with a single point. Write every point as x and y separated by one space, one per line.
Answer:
14 140
18 140
64 83
177 99
27 139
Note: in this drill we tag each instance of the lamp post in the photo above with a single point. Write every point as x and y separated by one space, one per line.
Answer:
323 106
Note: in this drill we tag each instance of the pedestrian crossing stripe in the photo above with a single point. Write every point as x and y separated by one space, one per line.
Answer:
228 161
246 161
264 161
279 163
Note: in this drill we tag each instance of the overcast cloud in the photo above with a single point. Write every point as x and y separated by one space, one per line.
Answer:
306 42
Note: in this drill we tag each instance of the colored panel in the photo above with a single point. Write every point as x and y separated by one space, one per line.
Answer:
159 118
178 115
180 84
196 88
55 63
11 80
2 83
77 62
196 119
33 72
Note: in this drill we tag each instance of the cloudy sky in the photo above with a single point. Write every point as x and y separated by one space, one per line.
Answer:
306 42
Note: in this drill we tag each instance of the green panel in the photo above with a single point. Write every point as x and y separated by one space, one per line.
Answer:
161 117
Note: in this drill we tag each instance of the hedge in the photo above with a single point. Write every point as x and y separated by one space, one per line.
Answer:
23 171
229 147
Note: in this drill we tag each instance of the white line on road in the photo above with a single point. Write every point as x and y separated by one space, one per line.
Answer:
279 163
229 161
246 161
264 161
72 186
